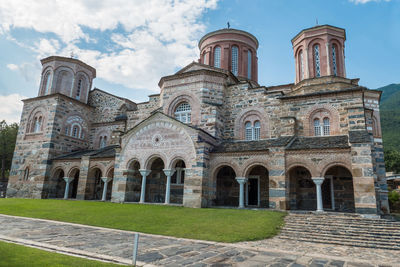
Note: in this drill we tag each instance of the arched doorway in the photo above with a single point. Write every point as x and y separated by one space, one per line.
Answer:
257 187
73 189
133 185
227 187
177 182
94 184
302 190
337 190
155 182
60 184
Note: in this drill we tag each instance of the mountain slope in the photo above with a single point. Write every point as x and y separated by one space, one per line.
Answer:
390 116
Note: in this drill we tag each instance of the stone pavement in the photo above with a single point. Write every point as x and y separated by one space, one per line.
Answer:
116 246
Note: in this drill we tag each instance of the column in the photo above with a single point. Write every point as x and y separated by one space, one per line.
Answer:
306 70
67 180
328 61
318 182
144 174
168 173
241 181
106 180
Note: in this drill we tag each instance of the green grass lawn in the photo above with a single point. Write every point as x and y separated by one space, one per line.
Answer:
224 225
17 255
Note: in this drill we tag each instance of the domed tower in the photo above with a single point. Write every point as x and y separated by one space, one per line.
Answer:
232 50
319 51
67 76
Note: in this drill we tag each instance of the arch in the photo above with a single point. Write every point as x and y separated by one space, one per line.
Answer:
110 172
339 55
63 78
73 190
320 112
26 173
376 129
132 162
227 188
175 160
183 112
156 181
149 161
36 120
338 189
252 115
99 137
300 71
250 166
178 98
94 184
59 183
257 186
47 81
301 188
336 163
312 59
134 180
75 121
217 168
81 86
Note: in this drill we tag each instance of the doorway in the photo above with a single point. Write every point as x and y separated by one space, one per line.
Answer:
253 191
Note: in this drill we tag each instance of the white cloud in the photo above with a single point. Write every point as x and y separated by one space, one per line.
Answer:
28 70
149 38
11 107
366 1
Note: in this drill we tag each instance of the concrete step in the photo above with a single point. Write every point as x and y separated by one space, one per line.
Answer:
352 231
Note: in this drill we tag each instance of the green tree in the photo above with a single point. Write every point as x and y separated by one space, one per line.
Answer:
8 136
392 161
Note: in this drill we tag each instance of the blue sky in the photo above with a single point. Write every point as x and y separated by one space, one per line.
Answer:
133 43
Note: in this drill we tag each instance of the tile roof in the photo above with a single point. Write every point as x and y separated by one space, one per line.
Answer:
106 152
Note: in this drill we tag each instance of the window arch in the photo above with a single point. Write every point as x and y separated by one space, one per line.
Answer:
301 65
35 123
205 58
74 126
317 66
217 57
249 56
47 83
183 112
252 130
235 57
103 141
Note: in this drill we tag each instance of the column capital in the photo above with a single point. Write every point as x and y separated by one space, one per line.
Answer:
68 179
144 172
241 180
169 172
106 179
318 180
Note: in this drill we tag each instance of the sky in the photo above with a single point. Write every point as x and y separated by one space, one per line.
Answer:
133 43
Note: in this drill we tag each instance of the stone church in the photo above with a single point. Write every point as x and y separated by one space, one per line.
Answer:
213 136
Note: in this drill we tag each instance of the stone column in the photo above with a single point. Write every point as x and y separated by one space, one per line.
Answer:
106 180
144 174
168 173
241 181
318 182
67 180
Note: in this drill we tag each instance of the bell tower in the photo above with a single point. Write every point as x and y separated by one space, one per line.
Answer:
67 76
319 51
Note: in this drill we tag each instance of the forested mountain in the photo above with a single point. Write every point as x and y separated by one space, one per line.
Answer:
390 116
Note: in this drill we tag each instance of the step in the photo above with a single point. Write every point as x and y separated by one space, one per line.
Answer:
344 231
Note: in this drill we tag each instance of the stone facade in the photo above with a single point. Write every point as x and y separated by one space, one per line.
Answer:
210 138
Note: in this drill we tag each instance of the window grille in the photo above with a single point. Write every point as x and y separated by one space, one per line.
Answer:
326 126
249 64
183 113
317 127
235 53
317 61
334 60
217 57
248 131
75 132
257 127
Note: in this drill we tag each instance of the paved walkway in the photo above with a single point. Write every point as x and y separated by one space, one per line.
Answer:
116 246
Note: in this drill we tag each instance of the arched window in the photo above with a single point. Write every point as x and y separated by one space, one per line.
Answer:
317 127
217 57
205 58
334 59
235 55
75 131
78 89
183 113
249 131
249 64
326 126
252 131
66 130
103 141
26 174
47 83
301 66
317 61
